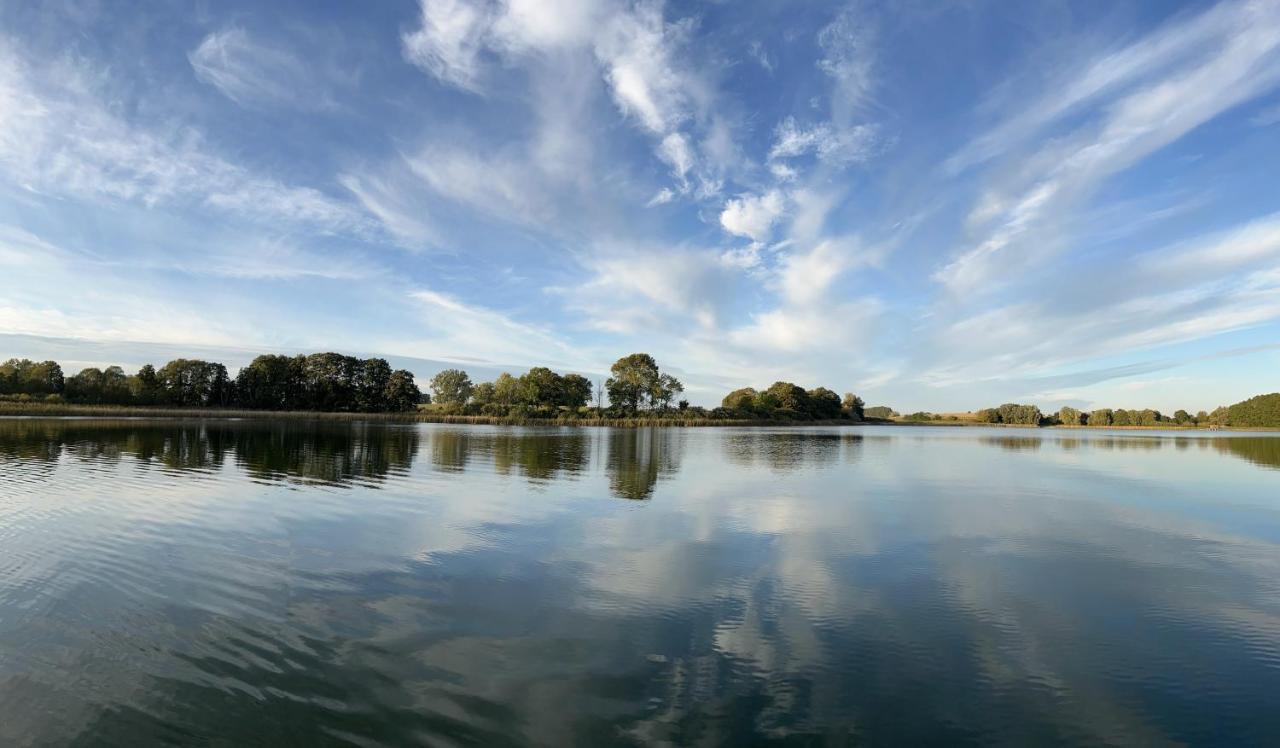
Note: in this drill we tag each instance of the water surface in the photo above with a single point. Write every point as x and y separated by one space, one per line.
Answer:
274 583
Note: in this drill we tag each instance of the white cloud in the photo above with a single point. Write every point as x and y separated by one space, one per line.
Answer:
635 50
638 289
533 24
807 277
834 146
397 205
675 150
633 46
1239 60
758 53
251 73
848 44
458 331
1173 295
497 184
662 197
58 138
449 42
753 216
828 329
1252 242
811 317
1108 73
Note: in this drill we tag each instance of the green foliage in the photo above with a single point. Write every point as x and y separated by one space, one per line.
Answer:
484 394
144 387
372 382
506 390
666 389
824 405
540 386
1260 411
879 411
784 401
1182 417
451 387
742 400
1012 413
540 391
637 382
26 377
401 392
575 391
853 407
918 417
1068 416
789 396
272 382
1147 417
194 383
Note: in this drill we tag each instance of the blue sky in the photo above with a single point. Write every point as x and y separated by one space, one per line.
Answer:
937 205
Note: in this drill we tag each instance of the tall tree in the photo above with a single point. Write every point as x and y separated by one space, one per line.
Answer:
635 378
541 387
194 383
665 390
853 406
506 390
371 380
451 387
575 391
401 392
146 385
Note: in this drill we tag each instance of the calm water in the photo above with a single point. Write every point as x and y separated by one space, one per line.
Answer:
275 583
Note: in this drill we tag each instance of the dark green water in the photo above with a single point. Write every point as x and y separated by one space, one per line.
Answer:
287 583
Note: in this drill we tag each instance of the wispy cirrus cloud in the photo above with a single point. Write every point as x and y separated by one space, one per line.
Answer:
1126 106
634 48
253 73
58 136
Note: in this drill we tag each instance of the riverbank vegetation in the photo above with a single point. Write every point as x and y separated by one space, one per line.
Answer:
328 382
637 393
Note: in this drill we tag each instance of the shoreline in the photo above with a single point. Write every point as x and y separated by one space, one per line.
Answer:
8 410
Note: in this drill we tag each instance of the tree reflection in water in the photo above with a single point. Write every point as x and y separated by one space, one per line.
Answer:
309 451
638 458
787 451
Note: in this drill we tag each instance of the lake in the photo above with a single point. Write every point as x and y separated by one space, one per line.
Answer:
277 582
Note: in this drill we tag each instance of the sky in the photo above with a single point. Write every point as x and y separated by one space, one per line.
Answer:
937 205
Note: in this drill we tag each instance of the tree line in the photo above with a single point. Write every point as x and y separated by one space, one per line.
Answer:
1262 411
636 385
784 401
319 381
